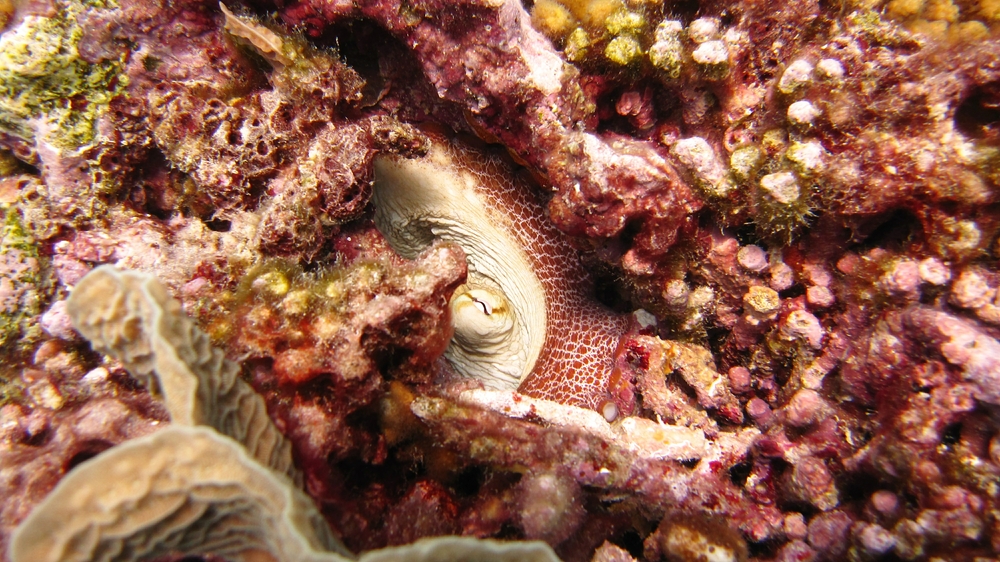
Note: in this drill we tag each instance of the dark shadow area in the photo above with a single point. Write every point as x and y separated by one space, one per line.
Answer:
978 116
87 451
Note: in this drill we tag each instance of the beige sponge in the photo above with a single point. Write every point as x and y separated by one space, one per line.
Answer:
181 490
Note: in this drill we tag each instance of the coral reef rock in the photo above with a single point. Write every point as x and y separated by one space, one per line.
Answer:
587 279
188 489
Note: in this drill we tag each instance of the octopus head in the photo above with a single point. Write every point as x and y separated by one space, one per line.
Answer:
499 315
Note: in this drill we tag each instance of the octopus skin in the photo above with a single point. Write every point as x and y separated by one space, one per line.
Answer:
526 319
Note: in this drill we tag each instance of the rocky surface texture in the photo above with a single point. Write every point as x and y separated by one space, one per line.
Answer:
795 202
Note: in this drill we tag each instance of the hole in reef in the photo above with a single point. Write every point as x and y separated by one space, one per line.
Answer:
629 232
858 487
361 44
150 63
156 189
727 18
978 116
685 10
321 388
763 550
88 451
607 289
389 358
910 501
469 481
892 232
655 105
748 233
717 338
37 439
356 474
218 225
632 542
739 473
796 290
951 434
679 382
509 532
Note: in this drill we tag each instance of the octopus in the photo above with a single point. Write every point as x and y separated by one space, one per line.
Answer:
526 319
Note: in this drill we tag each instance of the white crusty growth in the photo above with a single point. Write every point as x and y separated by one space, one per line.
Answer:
131 317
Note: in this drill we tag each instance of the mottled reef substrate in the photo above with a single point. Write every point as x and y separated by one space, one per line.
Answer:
794 203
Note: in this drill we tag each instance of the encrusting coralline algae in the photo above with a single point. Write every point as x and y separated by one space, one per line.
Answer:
787 212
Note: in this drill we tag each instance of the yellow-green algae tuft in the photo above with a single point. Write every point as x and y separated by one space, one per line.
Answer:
22 292
46 88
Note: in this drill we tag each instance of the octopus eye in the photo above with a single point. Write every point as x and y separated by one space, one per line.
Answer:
487 343
483 320
488 301
483 305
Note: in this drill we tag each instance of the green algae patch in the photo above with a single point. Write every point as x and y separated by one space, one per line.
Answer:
23 290
46 88
20 300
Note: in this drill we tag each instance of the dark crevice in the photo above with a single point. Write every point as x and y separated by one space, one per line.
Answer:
739 473
858 487
632 542
978 116
88 451
893 231
469 482
218 225
951 434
